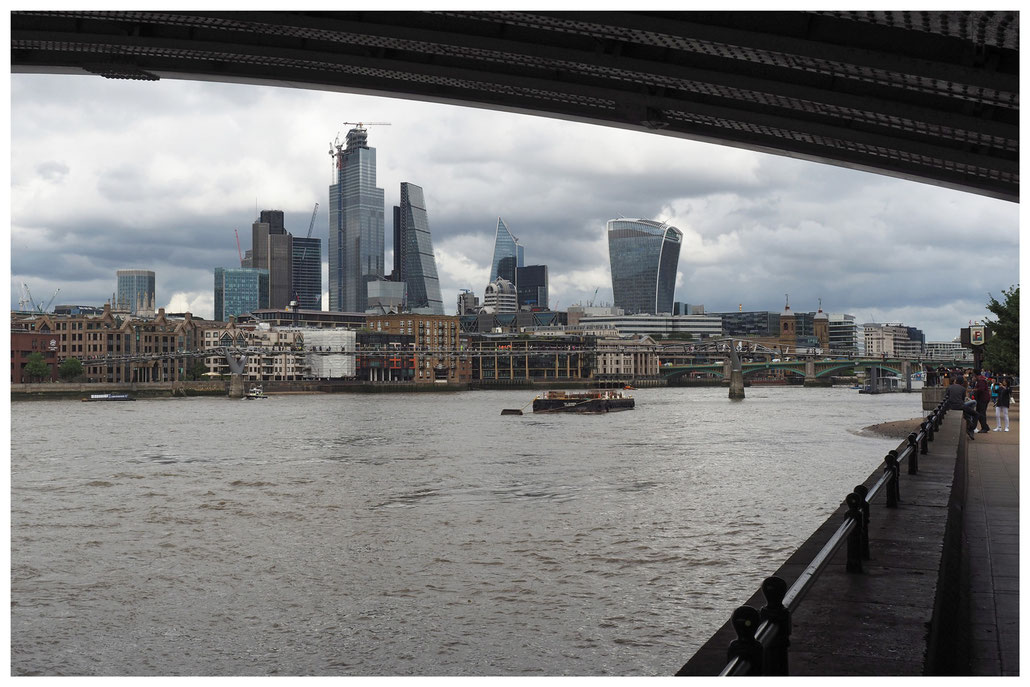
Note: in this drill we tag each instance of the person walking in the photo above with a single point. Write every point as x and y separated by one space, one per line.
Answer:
982 396
955 395
1001 405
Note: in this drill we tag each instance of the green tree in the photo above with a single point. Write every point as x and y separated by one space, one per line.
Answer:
1001 352
196 370
70 369
36 368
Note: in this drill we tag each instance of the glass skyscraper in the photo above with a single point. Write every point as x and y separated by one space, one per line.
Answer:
356 225
532 286
507 254
417 262
644 256
135 291
239 290
307 272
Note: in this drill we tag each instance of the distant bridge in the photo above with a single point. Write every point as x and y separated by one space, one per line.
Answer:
810 369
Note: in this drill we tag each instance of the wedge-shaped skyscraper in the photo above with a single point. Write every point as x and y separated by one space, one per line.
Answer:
507 254
644 256
413 247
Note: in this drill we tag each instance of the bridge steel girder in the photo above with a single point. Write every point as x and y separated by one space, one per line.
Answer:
930 96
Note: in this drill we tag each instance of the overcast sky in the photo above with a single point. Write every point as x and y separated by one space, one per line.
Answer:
109 175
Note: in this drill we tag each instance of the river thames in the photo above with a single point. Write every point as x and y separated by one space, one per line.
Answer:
413 534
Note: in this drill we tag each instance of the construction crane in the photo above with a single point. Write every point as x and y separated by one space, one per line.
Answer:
336 148
23 297
362 125
27 296
594 296
238 250
312 225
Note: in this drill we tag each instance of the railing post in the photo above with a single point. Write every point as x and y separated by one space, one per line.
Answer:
862 491
913 455
745 622
893 489
928 428
938 417
776 656
854 562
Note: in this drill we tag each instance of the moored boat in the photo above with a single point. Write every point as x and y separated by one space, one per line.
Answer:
603 401
256 392
109 397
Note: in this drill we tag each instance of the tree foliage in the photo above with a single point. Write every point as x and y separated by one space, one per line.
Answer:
70 369
36 368
196 370
1001 352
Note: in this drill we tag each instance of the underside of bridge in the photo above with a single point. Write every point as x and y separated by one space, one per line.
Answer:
927 96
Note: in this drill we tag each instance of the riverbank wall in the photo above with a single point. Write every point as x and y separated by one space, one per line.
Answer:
74 390
901 616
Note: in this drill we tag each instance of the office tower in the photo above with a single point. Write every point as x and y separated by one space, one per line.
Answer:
272 249
307 272
239 290
468 303
507 249
531 284
644 256
414 243
135 291
356 225
500 296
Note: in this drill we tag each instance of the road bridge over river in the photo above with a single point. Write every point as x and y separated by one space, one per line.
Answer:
930 96
812 370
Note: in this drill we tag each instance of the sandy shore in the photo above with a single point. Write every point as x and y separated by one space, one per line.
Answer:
899 429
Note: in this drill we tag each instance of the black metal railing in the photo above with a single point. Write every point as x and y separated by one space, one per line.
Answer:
763 637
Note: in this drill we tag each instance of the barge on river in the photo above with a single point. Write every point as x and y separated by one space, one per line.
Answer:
109 397
602 401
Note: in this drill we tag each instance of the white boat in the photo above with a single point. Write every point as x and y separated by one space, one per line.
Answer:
256 392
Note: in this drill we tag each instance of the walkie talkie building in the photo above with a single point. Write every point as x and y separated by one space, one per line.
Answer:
644 256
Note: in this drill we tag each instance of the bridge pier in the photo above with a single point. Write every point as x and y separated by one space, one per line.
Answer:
236 386
735 374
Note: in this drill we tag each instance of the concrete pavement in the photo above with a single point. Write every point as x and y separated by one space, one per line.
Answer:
991 549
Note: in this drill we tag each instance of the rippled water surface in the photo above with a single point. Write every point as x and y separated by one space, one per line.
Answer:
414 534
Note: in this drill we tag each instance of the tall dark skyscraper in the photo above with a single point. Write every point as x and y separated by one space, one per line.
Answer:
272 249
531 285
307 272
644 256
414 244
356 224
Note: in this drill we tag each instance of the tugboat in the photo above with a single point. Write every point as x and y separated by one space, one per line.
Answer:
256 392
603 401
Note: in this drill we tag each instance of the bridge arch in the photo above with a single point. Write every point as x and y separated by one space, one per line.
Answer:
930 96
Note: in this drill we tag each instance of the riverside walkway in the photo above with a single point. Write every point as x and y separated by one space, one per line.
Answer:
940 592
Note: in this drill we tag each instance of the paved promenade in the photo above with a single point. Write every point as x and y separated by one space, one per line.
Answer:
991 528
940 593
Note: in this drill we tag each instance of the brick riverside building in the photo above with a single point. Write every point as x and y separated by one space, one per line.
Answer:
432 333
87 337
25 343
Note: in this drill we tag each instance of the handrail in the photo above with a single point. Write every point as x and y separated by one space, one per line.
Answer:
761 644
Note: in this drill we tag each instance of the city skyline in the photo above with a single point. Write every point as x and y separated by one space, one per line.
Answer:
85 201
